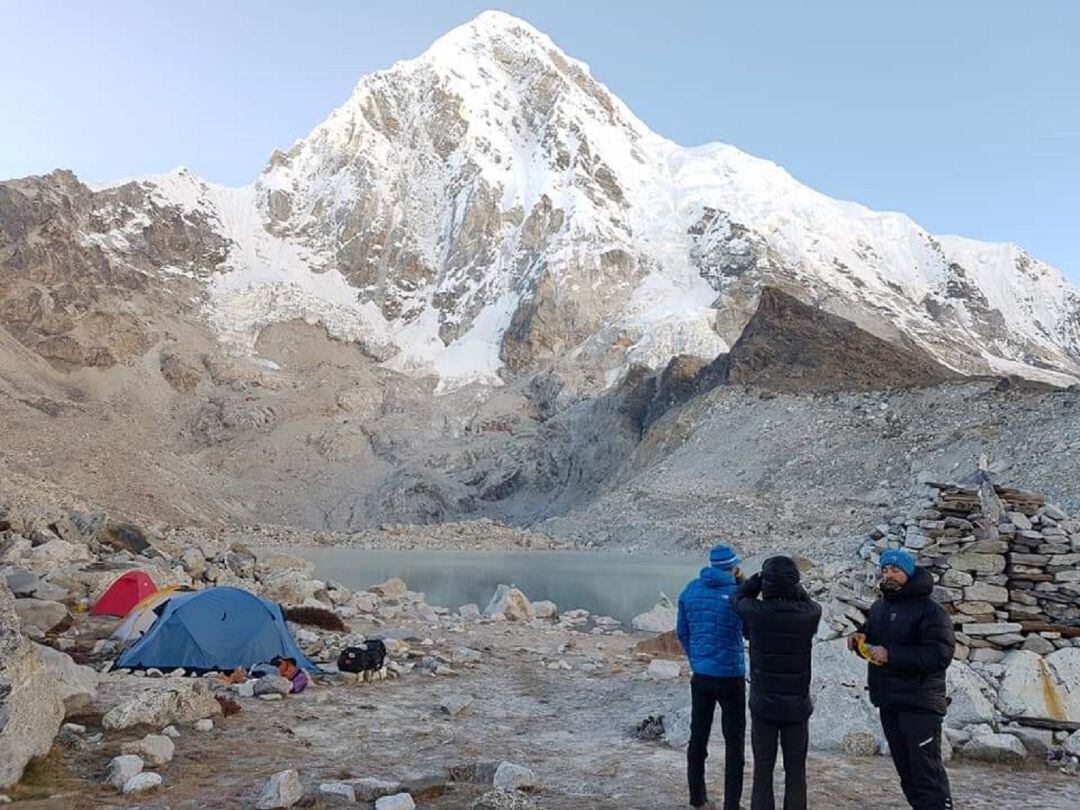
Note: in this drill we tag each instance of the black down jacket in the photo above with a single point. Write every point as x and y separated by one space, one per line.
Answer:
918 634
781 627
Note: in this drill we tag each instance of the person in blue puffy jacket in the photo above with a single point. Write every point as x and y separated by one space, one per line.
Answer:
710 632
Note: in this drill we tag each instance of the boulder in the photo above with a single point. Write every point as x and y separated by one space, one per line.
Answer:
661 669
393 588
399 801
143 782
664 645
77 684
544 609
39 616
510 776
31 708
167 701
274 564
56 552
272 684
337 793
369 788
469 611
841 704
971 696
282 790
511 603
1072 744
25 584
155 749
121 769
503 800
660 619
122 536
1042 687
1004 748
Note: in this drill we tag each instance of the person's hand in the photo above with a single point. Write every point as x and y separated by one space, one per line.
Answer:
853 641
879 655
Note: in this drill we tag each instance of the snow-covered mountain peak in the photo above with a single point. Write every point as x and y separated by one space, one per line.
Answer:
488 206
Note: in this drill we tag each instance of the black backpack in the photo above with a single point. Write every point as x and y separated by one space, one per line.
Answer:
368 656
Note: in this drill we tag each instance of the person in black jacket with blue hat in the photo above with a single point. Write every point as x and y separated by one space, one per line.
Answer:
781 627
911 642
711 634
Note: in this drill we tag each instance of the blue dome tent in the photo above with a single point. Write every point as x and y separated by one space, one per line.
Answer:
215 629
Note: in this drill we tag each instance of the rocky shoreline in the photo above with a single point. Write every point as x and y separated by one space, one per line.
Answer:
518 703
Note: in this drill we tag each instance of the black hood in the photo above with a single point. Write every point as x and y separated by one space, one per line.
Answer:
919 584
779 578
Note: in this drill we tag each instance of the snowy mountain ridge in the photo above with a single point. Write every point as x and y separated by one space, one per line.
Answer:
489 207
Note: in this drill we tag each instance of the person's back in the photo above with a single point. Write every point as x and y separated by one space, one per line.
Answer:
709 628
711 634
781 627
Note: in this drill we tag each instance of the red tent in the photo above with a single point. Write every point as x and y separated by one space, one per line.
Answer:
127 591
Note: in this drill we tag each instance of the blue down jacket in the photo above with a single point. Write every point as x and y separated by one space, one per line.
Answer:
709 629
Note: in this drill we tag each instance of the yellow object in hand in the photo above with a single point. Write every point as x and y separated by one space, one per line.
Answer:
864 651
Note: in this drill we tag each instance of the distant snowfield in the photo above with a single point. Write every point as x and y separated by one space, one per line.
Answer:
884 261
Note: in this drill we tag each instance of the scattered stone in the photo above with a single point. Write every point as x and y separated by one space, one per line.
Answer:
511 603
545 609
170 731
399 801
510 776
121 769
393 588
282 790
661 669
501 799
203 725
143 782
272 684
1004 748
338 792
155 749
659 619
469 611
368 788
859 744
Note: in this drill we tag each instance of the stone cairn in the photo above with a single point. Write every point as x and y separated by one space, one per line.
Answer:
1006 566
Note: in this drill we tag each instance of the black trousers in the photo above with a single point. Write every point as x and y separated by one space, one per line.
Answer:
794 738
705 693
915 744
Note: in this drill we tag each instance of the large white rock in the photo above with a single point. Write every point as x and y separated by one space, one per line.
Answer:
971 696
166 701
39 616
282 790
994 748
77 684
399 801
1046 687
123 768
155 749
511 776
658 620
545 609
511 603
31 708
660 669
140 783
841 703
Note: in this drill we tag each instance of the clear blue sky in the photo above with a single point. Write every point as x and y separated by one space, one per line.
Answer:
964 114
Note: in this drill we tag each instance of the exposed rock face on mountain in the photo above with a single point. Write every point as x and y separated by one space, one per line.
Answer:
790 346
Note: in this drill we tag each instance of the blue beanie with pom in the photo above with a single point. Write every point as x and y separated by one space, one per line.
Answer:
723 557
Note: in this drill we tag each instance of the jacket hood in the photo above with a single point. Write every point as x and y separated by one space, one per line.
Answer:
716 577
779 578
919 584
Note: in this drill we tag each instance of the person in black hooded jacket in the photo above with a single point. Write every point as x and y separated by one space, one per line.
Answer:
781 627
911 645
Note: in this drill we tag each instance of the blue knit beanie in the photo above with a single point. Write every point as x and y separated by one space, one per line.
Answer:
900 558
723 557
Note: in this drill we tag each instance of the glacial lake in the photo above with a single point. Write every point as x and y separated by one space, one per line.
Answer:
609 584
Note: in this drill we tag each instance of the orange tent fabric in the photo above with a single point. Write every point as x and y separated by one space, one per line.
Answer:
127 591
